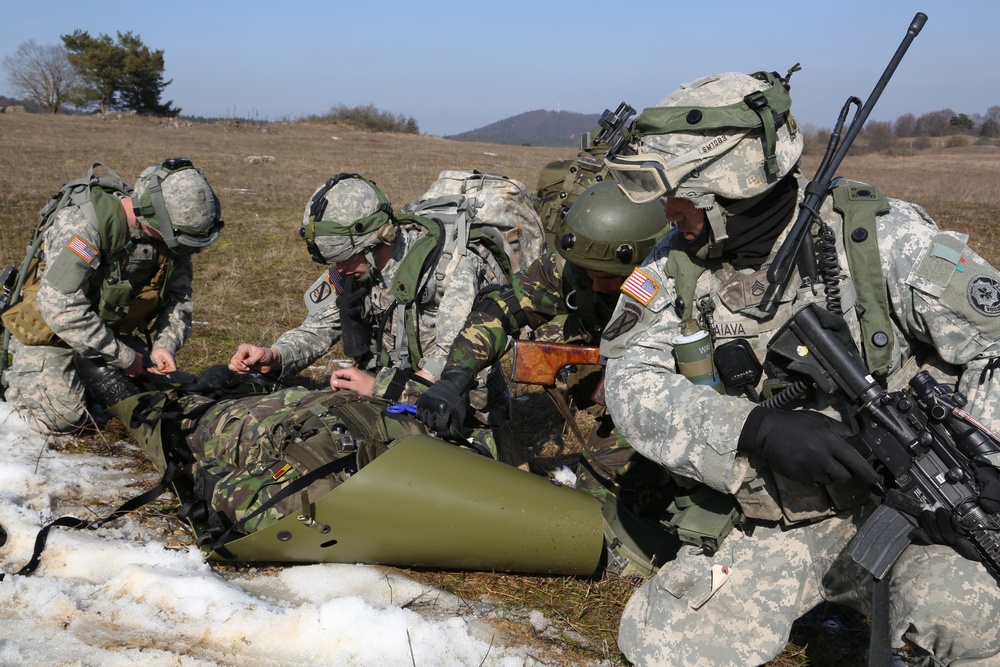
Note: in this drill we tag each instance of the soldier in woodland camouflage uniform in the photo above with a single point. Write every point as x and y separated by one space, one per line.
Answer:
350 224
246 450
724 152
598 243
94 300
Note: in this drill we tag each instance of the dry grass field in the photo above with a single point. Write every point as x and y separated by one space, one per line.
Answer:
249 285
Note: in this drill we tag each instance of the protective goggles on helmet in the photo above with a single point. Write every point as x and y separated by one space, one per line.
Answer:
690 137
647 176
640 177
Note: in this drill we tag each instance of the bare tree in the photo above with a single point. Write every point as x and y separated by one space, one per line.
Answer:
43 74
990 126
879 135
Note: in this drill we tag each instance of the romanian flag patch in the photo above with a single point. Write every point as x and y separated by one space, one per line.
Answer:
84 250
640 287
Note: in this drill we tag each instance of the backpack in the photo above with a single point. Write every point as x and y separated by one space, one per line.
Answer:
562 181
22 316
463 211
487 210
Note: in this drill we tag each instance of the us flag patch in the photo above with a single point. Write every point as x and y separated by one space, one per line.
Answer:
84 250
640 287
336 279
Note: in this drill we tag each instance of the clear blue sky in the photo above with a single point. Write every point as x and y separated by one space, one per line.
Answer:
456 66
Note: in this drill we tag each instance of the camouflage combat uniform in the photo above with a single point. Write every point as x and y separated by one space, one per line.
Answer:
542 290
43 381
559 306
440 313
246 450
945 310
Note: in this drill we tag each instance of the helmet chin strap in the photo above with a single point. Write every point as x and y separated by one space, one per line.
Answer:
717 224
373 268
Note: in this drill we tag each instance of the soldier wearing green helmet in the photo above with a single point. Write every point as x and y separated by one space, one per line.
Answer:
601 239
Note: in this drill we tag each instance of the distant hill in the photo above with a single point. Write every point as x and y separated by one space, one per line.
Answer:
534 128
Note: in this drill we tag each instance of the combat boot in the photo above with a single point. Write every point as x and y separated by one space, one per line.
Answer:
108 385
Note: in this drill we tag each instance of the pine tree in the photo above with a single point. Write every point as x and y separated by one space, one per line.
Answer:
122 75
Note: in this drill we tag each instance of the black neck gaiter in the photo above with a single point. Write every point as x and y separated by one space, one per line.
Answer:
753 232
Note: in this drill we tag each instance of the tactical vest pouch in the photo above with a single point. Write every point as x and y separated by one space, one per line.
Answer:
139 310
704 517
113 302
24 320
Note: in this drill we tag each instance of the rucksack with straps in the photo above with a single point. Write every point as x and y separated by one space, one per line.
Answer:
562 181
463 211
488 210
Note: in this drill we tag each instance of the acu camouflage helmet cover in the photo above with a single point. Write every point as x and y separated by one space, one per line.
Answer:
346 215
175 199
728 137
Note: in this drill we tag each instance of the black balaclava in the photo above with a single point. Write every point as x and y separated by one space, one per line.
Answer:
752 232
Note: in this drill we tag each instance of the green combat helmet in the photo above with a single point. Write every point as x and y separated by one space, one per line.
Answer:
175 199
605 231
346 215
722 142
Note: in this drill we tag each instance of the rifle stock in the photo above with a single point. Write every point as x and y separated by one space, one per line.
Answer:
536 362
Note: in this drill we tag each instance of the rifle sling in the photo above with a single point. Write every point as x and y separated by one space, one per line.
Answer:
591 460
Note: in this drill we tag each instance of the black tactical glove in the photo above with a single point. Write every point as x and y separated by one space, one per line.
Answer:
442 406
938 526
989 487
805 446
355 330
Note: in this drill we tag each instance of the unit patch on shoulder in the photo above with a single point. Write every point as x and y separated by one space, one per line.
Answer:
630 316
320 292
984 295
640 287
83 250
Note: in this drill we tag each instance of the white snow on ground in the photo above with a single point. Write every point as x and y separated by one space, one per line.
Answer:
121 595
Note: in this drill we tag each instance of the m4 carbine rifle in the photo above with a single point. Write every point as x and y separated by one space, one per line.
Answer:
926 446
